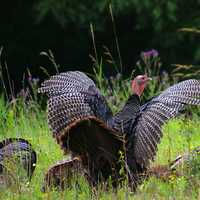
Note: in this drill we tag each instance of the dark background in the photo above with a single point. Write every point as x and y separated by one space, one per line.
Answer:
30 27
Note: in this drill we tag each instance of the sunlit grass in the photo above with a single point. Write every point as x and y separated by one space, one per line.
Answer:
180 135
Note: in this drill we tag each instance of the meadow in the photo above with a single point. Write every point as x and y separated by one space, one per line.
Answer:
27 120
25 116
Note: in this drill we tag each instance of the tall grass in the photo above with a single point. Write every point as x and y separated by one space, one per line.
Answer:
20 120
23 117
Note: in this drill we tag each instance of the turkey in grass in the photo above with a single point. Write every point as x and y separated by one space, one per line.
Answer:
83 124
17 161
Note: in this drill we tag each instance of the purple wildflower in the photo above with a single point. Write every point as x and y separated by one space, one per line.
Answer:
29 78
33 80
152 53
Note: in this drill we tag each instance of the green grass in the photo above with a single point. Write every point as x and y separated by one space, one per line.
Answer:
29 122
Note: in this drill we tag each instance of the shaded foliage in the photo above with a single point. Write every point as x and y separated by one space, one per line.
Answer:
29 27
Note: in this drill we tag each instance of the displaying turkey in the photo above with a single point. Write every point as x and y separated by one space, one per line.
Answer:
17 160
84 125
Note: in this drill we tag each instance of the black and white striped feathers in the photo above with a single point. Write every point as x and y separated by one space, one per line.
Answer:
74 97
156 112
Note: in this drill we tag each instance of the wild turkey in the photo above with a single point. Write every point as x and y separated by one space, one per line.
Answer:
62 174
17 160
83 124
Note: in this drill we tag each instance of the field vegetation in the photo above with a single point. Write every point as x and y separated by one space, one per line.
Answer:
25 116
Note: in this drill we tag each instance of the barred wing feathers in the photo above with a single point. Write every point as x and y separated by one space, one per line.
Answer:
73 96
67 82
77 115
155 113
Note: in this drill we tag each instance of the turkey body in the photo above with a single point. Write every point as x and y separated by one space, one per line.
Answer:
84 125
17 160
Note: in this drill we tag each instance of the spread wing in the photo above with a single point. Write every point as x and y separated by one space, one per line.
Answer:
78 115
73 96
155 113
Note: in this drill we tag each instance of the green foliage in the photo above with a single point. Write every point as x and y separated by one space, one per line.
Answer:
186 71
31 124
141 24
153 22
82 13
64 27
24 118
66 12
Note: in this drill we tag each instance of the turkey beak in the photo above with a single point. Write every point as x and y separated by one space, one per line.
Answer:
149 79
